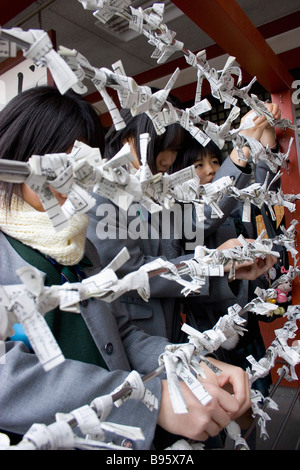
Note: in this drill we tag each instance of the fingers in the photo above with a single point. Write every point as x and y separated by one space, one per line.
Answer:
260 121
248 270
226 403
231 243
252 270
201 421
239 383
235 381
262 130
262 265
266 263
274 109
216 415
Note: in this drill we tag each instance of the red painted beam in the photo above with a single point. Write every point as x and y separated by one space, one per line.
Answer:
187 92
281 25
227 24
291 59
10 9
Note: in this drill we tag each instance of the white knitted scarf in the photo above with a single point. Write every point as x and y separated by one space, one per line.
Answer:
33 228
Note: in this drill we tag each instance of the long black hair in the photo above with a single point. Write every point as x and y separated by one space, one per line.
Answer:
171 139
40 121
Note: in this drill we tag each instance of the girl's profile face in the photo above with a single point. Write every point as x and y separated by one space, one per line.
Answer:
32 198
165 159
34 201
206 167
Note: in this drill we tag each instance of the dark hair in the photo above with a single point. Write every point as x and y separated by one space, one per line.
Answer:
192 150
41 120
171 139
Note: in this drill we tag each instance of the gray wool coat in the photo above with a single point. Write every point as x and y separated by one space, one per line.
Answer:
30 395
112 229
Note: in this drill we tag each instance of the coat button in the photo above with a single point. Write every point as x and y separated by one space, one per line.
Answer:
109 348
127 443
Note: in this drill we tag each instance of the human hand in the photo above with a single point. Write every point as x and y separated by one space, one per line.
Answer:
260 124
201 421
262 130
252 270
268 136
248 270
233 379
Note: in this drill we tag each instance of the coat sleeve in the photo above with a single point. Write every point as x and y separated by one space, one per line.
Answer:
30 395
117 225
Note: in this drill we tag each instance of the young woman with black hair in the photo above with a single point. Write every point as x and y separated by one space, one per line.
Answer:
209 167
145 234
100 345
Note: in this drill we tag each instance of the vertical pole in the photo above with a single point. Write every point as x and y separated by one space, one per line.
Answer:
290 179
290 182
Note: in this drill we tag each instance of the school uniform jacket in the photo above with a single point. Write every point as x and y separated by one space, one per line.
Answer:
156 316
30 395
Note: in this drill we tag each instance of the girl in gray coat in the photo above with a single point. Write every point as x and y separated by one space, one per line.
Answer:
100 345
149 237
209 167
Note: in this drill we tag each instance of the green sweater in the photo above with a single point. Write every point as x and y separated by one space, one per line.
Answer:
69 329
